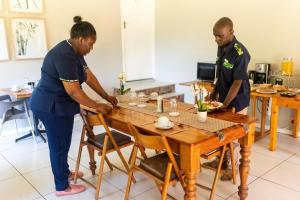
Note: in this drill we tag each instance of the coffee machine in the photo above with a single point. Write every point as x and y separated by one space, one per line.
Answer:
261 73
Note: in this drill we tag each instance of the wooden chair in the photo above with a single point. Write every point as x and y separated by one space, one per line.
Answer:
220 152
162 168
104 143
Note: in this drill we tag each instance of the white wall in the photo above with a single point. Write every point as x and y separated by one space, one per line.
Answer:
106 58
269 29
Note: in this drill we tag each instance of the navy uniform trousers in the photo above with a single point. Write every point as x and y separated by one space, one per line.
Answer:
59 133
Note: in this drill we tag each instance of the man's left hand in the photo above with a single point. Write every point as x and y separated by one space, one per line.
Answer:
113 100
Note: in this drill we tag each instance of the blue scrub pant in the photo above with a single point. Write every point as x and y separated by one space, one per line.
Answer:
59 134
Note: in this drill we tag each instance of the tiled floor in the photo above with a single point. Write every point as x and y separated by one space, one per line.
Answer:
25 173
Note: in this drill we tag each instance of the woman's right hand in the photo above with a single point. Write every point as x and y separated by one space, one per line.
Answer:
104 108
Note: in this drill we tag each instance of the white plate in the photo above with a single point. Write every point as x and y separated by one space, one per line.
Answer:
220 104
141 105
164 127
174 114
266 91
132 104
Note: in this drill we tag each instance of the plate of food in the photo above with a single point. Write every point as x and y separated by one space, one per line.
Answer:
266 91
279 88
212 105
264 85
295 90
288 94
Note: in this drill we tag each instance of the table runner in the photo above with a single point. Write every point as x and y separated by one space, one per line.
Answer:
186 118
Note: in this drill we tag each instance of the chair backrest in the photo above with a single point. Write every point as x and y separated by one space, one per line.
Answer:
147 141
92 119
158 143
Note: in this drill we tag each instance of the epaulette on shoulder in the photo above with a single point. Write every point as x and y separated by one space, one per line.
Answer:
238 49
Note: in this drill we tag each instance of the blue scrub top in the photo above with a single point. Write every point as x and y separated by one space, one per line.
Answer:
232 63
60 64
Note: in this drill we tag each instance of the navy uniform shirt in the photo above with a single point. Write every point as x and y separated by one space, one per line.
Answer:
60 64
232 63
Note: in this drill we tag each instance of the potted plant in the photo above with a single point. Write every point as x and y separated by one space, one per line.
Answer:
122 91
202 111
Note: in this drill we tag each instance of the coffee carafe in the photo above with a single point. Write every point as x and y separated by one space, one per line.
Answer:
262 72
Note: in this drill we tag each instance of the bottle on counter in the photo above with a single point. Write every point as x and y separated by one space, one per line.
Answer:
287 66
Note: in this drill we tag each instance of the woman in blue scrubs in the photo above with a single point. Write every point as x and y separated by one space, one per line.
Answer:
56 99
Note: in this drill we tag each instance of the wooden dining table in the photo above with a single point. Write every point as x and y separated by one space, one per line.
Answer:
25 94
190 142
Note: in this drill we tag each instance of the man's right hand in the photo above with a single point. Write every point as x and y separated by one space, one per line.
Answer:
104 108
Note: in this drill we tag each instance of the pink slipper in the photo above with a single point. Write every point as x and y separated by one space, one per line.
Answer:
72 175
72 189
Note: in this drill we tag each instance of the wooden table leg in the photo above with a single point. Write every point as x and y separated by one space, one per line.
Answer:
273 125
246 143
190 163
296 122
253 100
92 160
263 116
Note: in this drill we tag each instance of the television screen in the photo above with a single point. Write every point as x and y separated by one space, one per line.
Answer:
206 71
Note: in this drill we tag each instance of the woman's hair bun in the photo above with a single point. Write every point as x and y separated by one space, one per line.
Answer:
77 19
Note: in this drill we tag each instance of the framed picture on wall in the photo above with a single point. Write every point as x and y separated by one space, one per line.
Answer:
29 38
28 6
3 42
1 5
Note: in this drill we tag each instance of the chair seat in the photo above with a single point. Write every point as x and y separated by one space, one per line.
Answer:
98 140
157 165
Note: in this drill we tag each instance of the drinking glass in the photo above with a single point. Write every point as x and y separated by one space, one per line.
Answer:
132 97
141 99
173 106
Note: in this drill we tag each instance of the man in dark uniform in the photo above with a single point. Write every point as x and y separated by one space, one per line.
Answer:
232 86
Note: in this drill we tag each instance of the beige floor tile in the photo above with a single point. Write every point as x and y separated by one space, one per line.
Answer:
224 188
17 188
42 180
152 194
45 185
286 146
106 188
7 170
119 195
25 148
295 159
119 180
286 174
280 153
265 190
178 193
260 164
28 162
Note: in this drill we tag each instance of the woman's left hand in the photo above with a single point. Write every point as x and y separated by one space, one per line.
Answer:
113 100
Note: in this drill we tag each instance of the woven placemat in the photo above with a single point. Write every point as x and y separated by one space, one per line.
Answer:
186 118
